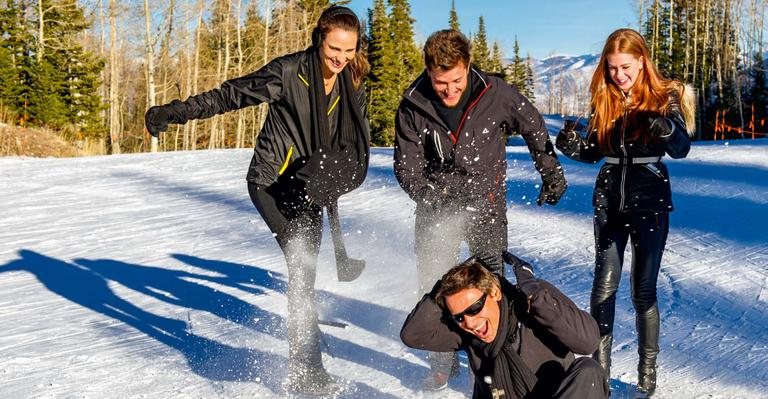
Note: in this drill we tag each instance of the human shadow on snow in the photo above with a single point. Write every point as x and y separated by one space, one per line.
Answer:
85 282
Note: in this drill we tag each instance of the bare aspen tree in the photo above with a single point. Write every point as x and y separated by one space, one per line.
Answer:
40 31
732 49
239 139
655 39
150 66
114 80
196 68
227 58
265 58
671 37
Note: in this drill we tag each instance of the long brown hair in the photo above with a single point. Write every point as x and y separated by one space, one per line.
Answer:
650 92
345 19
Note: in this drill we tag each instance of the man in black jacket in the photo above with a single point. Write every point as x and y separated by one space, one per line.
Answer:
450 158
520 339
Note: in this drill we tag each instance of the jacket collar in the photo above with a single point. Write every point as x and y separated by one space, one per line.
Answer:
421 90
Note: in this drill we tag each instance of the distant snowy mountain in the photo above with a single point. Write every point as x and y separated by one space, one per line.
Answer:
562 83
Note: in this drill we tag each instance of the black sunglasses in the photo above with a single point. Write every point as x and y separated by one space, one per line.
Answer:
472 310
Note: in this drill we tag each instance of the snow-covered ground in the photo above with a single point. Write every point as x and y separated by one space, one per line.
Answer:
152 276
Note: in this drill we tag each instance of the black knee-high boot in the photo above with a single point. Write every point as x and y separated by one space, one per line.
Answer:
648 349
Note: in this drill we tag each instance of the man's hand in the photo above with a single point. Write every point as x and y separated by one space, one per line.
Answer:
526 281
552 188
156 120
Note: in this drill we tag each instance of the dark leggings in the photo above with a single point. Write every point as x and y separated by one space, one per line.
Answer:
648 232
298 230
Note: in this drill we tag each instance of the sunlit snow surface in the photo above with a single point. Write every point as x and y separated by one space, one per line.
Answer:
152 276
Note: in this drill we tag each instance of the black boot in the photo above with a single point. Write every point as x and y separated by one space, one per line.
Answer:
648 350
646 379
603 355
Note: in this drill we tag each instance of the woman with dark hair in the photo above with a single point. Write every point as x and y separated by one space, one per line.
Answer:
312 148
638 117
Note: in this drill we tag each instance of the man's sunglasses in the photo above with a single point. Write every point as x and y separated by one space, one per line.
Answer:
472 310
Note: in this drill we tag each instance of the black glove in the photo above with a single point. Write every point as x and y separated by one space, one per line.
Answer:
433 197
526 281
660 127
491 261
156 120
552 188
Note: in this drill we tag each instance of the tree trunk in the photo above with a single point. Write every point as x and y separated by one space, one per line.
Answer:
239 133
114 81
150 70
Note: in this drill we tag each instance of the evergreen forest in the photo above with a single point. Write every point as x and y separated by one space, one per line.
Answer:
88 70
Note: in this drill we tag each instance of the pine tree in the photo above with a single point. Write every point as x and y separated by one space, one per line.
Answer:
382 91
15 59
496 64
529 81
453 18
480 54
516 75
65 80
409 62
758 96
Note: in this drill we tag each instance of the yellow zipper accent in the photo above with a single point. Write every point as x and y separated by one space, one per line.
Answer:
287 160
303 79
334 105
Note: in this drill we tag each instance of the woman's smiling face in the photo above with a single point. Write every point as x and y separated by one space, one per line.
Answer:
624 69
338 48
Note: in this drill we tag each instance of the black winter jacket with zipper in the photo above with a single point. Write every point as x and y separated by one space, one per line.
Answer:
550 329
629 186
470 163
286 134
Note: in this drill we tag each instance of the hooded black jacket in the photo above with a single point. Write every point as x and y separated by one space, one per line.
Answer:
286 134
470 164
550 329
632 186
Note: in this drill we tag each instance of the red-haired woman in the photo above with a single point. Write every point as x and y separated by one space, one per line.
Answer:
312 148
638 117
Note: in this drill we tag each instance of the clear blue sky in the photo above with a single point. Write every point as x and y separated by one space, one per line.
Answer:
543 27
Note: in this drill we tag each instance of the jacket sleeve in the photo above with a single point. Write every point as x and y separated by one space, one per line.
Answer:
677 143
575 147
424 328
263 85
409 159
526 120
573 327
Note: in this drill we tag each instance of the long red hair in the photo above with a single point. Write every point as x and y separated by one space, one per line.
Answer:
650 92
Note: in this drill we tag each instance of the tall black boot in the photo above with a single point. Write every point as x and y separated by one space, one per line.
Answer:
603 355
647 349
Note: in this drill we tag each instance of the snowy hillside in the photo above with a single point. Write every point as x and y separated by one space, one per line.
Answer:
152 276
562 83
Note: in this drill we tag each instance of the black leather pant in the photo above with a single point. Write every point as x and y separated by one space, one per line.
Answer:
298 230
648 232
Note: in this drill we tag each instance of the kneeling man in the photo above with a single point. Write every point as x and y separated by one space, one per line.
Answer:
520 339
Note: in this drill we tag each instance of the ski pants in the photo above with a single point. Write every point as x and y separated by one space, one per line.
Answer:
438 236
584 379
648 232
297 227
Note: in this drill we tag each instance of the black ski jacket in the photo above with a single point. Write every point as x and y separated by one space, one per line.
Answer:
286 133
632 184
470 164
550 329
